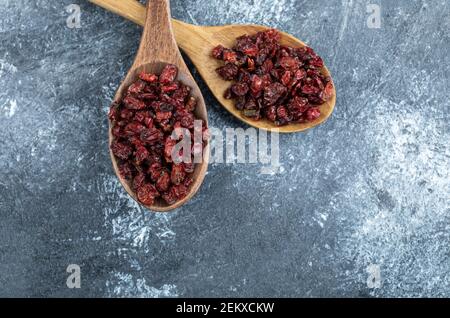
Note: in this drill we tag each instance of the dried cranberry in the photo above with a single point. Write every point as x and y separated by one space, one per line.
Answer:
217 52
141 154
188 167
274 81
151 136
125 171
271 113
155 170
179 191
228 71
170 87
289 63
327 93
133 128
312 114
286 78
310 90
133 103
178 174
147 193
142 124
191 103
273 92
163 182
229 56
239 89
169 197
113 112
121 150
256 85
138 180
168 74
136 87
151 78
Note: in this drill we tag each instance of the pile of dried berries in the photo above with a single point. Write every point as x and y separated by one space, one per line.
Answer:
142 124
280 83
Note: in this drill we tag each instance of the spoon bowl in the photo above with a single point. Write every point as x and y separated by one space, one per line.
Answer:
198 41
157 49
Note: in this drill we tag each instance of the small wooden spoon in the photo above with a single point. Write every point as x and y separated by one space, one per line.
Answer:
157 49
198 41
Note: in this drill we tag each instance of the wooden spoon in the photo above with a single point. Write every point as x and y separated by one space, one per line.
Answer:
198 41
157 49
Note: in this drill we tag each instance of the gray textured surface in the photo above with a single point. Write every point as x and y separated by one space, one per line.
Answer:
370 186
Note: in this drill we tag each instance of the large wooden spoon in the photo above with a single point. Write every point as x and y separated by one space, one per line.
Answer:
157 49
198 41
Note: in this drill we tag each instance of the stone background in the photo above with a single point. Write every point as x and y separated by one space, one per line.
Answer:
366 191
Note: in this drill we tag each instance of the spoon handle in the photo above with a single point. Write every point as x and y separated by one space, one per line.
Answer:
134 11
158 41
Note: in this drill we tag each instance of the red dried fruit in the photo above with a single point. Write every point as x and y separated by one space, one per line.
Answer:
169 197
133 103
273 93
267 66
126 171
188 181
250 64
289 63
229 56
170 87
312 114
187 121
151 78
155 170
179 191
117 131
160 116
310 90
142 124
282 112
168 74
126 113
113 112
147 193
228 71
286 78
151 135
298 105
136 88
138 180
271 113
190 104
163 182
188 167
217 52
141 154
168 146
274 81
239 89
133 128
316 62
327 93
178 174
121 150
256 85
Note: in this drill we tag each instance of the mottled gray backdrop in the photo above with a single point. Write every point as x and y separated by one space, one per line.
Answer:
365 193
